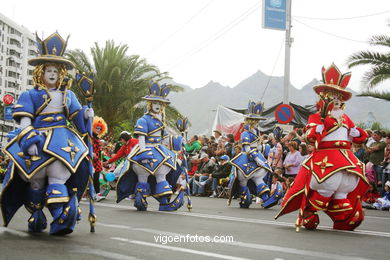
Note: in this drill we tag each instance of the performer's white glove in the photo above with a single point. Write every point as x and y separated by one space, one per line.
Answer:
32 150
319 129
89 113
354 132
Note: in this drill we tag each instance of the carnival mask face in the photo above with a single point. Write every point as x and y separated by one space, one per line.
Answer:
98 130
156 107
337 104
50 77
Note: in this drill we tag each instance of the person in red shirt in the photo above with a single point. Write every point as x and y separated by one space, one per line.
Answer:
128 144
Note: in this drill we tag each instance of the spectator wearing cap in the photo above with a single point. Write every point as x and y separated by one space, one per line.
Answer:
376 155
222 170
206 167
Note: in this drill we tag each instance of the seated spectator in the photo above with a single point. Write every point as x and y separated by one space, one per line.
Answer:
222 170
220 147
237 149
206 168
274 185
370 197
181 184
384 202
193 146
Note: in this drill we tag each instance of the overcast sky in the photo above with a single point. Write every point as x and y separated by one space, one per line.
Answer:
221 40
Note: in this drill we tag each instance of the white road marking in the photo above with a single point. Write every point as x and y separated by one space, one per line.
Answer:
102 253
13 232
271 248
249 220
178 249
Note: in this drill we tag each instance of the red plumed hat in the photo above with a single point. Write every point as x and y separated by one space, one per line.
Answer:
334 81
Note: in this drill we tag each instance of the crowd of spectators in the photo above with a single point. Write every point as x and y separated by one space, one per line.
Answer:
210 171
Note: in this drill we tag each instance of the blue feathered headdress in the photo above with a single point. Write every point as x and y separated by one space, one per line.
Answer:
52 49
158 93
255 110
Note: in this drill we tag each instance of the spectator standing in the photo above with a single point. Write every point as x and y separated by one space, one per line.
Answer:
376 155
292 162
277 154
99 129
386 161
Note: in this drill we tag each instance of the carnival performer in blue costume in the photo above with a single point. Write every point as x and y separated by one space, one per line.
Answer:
151 169
250 167
49 164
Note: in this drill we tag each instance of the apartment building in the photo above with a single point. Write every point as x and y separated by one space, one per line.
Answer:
17 46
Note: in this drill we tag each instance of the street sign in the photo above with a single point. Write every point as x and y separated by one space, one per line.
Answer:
274 14
8 111
8 99
284 113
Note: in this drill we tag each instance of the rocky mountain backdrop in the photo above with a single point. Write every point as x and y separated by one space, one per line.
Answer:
200 105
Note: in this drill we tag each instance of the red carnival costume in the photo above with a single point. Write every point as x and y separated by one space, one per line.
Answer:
99 129
331 179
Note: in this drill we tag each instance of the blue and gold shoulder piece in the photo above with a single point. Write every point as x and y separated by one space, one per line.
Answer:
24 107
141 127
247 138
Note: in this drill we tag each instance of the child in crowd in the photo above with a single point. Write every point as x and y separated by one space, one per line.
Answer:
181 184
384 202
371 196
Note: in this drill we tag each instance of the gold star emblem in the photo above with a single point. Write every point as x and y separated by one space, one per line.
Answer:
72 149
324 164
151 162
29 159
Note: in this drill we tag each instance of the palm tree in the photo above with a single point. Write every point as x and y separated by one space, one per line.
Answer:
380 66
120 81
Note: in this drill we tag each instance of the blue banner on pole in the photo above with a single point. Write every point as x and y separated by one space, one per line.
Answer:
274 14
8 111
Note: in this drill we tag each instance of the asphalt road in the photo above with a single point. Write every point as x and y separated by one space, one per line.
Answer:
124 233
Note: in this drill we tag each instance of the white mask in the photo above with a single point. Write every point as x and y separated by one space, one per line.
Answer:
337 104
50 77
156 107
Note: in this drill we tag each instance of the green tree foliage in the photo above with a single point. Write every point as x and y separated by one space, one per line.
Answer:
121 81
379 65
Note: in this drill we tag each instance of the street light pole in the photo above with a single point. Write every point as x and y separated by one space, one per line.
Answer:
287 54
